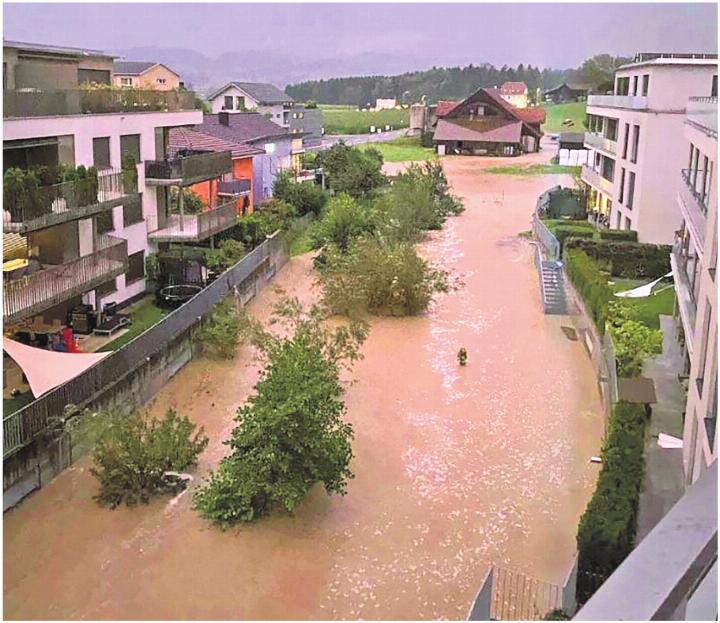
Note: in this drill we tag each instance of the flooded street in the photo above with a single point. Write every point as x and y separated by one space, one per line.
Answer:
456 468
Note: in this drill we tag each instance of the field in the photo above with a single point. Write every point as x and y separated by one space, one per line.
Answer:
403 149
557 113
535 169
660 302
349 120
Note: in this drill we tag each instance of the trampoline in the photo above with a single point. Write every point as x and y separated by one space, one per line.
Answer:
175 296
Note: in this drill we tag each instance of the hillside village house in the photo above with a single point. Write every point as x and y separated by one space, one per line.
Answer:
266 99
145 75
282 149
515 93
485 124
636 141
307 122
567 92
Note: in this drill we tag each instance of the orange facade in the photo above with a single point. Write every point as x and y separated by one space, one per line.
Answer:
207 191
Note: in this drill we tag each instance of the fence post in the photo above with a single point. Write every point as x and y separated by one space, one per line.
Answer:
480 609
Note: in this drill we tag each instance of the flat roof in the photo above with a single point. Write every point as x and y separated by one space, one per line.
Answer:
55 49
671 58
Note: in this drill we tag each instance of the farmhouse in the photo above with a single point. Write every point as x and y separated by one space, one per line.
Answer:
486 124
567 92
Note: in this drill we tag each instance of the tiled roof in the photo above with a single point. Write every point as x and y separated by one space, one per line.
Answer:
531 115
490 130
513 88
261 92
445 106
245 127
185 138
132 68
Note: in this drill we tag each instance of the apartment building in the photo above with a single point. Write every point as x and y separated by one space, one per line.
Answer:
636 142
694 264
86 179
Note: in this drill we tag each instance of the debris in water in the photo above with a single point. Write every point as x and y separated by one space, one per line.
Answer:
462 356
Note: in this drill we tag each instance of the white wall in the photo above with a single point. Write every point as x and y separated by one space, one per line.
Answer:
217 103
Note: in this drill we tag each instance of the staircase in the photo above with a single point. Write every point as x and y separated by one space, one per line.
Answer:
552 285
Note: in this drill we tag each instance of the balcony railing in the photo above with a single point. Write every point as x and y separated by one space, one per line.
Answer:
684 293
35 103
51 205
196 227
189 169
598 141
596 180
33 293
634 102
235 188
672 573
693 206
702 112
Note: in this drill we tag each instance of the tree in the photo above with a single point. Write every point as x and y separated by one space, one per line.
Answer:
220 332
342 220
305 197
633 341
357 172
290 434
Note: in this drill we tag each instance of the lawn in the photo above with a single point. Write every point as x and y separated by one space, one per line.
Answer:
557 113
349 120
144 315
651 307
403 149
534 169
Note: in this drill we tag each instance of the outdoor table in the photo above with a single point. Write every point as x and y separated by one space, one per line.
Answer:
640 390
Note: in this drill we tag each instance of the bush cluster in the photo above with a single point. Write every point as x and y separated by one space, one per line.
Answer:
228 253
356 172
619 235
268 217
343 220
606 533
305 197
563 232
632 260
591 284
220 332
633 341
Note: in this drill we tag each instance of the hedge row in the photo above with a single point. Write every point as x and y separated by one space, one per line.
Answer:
619 235
563 232
632 260
590 283
606 533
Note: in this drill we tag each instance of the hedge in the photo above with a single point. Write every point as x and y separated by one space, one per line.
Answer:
563 232
632 260
619 235
591 284
606 533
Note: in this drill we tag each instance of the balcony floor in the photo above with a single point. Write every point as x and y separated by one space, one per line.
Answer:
178 228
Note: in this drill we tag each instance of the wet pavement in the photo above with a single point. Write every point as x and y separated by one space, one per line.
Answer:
456 468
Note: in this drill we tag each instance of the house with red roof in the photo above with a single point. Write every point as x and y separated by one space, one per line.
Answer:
486 124
515 93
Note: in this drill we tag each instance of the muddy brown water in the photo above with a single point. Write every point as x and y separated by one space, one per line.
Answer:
456 468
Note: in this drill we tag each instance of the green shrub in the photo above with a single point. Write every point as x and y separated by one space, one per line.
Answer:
631 260
129 173
343 220
305 197
221 331
228 253
606 532
619 235
134 454
557 614
634 342
357 172
591 285
192 203
562 232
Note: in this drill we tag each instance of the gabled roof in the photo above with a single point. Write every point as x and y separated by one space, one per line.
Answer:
532 115
513 88
54 49
185 138
244 127
446 106
490 130
261 92
571 86
135 68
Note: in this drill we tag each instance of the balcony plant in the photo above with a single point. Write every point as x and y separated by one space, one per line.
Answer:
129 173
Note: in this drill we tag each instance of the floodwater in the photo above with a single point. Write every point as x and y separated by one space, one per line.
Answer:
456 468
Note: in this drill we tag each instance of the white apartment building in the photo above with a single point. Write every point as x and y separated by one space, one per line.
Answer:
694 263
636 142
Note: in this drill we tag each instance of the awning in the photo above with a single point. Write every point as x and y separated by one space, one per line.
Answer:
47 369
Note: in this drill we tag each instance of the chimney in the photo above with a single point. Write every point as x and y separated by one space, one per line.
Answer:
224 118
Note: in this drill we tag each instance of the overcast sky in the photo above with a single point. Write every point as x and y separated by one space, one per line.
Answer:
548 35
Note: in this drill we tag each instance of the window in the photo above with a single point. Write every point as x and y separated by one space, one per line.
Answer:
702 361
611 129
295 115
713 88
301 115
631 191
636 143
622 86
269 148
621 195
627 140
160 80
635 85
228 103
136 267
104 222
239 102
645 84
99 76
608 169
132 213
125 82
617 220
101 152
628 223
130 144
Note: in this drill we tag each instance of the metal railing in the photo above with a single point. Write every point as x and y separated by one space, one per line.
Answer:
234 187
684 293
188 169
196 227
37 103
594 178
45 206
598 141
702 112
692 205
21 427
672 573
31 294
634 102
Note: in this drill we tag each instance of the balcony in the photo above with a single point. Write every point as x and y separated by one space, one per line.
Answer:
684 294
33 293
693 207
672 573
598 141
632 102
51 205
235 188
196 227
188 169
702 113
597 181
36 103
